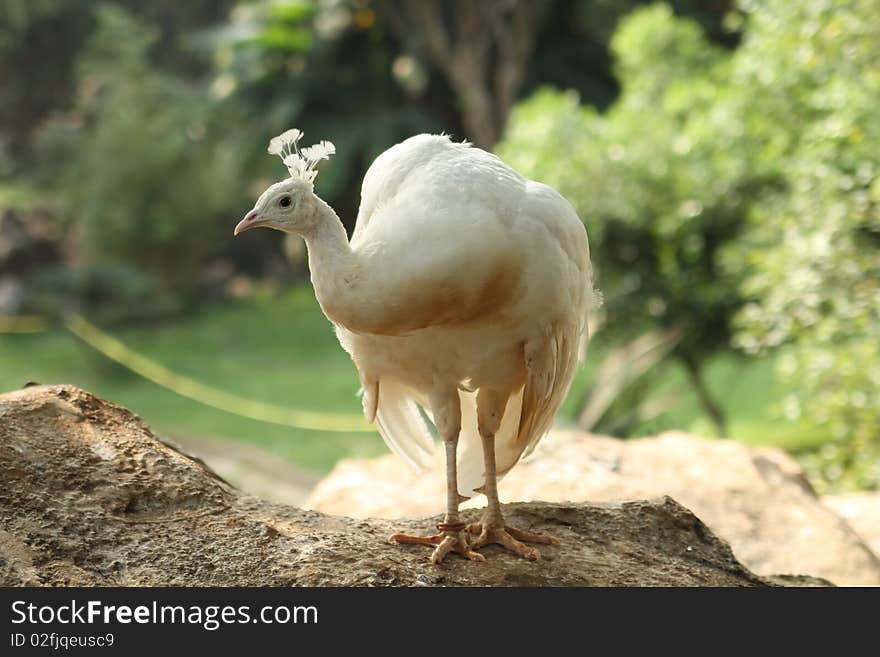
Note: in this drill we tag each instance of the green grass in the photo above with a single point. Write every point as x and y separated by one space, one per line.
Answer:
745 388
280 349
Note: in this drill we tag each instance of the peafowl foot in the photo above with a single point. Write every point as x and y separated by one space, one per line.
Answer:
451 538
513 539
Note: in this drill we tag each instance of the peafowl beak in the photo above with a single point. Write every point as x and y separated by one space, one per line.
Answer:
250 221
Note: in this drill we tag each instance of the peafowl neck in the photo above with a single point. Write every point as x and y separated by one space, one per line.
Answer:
336 273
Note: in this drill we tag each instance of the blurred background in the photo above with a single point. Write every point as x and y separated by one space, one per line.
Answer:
724 156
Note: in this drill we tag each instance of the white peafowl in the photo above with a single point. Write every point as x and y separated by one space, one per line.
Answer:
465 291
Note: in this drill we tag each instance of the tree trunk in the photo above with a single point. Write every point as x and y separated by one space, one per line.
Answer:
710 406
481 47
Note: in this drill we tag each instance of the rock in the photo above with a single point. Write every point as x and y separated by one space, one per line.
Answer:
756 498
92 497
862 512
250 468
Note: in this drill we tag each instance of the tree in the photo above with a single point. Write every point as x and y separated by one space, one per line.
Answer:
482 48
40 41
140 187
737 195
660 198
808 75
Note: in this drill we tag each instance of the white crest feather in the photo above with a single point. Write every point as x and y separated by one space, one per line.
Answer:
300 163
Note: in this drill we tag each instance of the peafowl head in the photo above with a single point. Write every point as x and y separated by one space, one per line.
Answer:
289 205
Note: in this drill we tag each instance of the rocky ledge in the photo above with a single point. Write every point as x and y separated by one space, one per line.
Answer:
91 496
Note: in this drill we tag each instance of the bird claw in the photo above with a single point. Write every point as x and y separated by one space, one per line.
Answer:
449 540
454 537
511 538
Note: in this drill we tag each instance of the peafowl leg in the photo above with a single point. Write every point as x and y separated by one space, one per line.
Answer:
491 528
452 534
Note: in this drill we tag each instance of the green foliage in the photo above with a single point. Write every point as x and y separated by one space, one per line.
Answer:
659 198
324 68
112 292
732 193
38 40
814 248
738 193
138 179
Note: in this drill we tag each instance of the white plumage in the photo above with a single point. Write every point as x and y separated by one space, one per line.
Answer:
486 267
465 290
